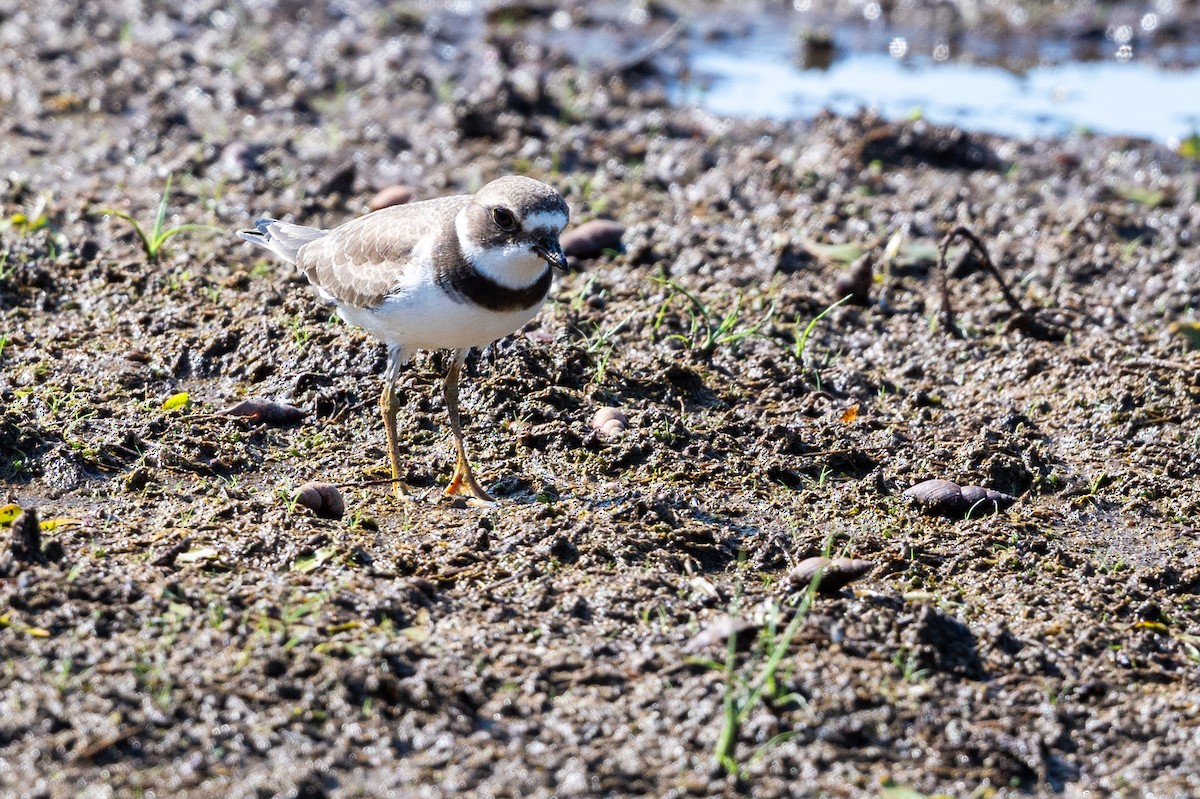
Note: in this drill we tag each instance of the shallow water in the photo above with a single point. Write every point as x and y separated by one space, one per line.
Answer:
759 74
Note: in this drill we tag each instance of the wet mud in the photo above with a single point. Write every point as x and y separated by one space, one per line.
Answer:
632 618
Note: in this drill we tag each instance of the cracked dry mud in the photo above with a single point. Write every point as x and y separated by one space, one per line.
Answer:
190 631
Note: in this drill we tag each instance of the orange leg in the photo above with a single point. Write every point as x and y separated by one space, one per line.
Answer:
463 481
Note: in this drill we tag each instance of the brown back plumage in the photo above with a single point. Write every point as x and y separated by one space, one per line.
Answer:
360 262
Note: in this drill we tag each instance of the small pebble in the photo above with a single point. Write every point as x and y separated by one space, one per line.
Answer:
323 499
265 410
392 195
837 573
591 239
610 422
947 498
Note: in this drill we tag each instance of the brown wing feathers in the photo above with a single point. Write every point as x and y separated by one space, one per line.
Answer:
362 261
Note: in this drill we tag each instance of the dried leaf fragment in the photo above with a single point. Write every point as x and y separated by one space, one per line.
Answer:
195 555
54 524
1189 332
1151 198
1153 626
9 512
421 627
308 563
835 253
179 400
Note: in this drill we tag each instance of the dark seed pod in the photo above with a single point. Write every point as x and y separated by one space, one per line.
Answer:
340 182
265 410
856 282
836 573
27 537
167 556
591 239
947 498
323 499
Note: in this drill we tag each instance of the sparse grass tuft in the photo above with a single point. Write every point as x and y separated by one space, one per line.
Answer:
301 333
600 346
744 689
908 664
706 329
801 344
290 499
154 239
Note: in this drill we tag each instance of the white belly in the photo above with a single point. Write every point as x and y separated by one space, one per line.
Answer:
425 318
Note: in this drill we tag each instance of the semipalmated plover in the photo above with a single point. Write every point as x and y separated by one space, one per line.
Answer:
451 273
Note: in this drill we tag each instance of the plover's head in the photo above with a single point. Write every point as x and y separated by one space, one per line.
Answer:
509 231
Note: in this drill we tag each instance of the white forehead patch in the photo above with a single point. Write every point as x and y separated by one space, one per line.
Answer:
550 221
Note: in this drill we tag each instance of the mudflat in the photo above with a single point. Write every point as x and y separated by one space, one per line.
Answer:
635 616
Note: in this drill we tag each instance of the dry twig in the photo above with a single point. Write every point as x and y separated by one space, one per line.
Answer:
1020 318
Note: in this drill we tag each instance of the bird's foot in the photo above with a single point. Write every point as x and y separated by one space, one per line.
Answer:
403 490
464 484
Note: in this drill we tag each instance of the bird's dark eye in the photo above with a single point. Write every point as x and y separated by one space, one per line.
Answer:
504 219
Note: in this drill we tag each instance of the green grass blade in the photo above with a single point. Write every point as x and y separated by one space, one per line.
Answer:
137 228
166 234
802 343
161 217
731 723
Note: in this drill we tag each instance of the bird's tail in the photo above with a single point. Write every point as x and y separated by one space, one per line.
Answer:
282 238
